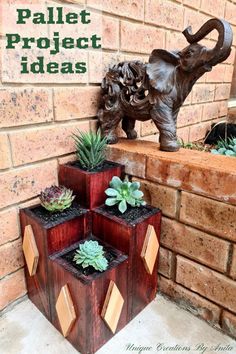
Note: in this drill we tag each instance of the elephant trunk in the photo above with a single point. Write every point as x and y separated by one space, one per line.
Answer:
223 46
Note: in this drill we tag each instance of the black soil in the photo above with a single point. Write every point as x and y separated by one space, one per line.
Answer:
132 215
106 165
108 254
50 219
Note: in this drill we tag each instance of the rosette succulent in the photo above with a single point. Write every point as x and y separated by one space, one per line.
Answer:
90 253
123 193
90 149
225 147
56 199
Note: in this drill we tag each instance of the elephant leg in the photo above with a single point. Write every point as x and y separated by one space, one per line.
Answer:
165 122
128 125
108 122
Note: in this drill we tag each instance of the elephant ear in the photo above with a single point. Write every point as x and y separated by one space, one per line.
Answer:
161 69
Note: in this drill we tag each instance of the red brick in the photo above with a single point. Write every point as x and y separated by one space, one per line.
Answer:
183 134
71 103
192 3
5 158
9 226
25 183
164 13
222 92
42 143
127 8
175 41
194 19
189 115
162 197
217 74
154 138
190 301
229 69
230 12
11 257
213 7
25 106
231 58
140 38
223 108
229 323
233 264
198 132
110 36
12 288
211 110
209 215
203 93
166 263
206 282
195 244
148 128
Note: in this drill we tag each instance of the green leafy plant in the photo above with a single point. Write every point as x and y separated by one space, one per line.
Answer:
90 149
90 253
192 146
123 193
225 147
56 199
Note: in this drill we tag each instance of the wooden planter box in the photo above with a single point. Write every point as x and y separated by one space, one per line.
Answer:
89 186
44 235
139 239
84 306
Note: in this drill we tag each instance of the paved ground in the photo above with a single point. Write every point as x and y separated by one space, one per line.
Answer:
23 330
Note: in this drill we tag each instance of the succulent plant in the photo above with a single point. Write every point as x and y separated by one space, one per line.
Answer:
123 193
225 147
90 253
90 149
56 199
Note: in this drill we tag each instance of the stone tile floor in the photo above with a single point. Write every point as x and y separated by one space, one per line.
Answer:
24 330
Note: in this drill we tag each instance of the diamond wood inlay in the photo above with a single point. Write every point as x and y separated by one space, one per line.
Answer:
150 249
65 310
112 306
30 250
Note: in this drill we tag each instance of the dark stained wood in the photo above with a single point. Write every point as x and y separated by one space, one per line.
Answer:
89 187
88 294
129 238
49 240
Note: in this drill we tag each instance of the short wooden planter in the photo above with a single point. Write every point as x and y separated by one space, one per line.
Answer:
44 234
139 238
89 309
89 186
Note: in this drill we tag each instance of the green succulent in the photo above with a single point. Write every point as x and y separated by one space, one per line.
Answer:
56 198
225 147
90 149
90 253
123 193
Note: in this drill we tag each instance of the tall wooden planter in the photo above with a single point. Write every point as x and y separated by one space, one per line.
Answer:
89 186
140 240
42 238
98 301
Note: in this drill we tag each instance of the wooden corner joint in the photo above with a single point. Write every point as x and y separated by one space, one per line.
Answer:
112 307
150 249
30 250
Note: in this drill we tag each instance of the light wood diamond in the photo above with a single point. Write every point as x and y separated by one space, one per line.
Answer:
112 306
30 250
65 310
150 249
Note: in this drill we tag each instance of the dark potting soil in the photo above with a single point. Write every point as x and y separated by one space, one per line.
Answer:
132 215
108 254
106 165
50 219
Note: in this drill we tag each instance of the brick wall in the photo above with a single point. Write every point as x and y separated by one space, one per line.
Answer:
196 192
36 120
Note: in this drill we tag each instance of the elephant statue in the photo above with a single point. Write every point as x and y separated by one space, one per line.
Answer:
132 90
